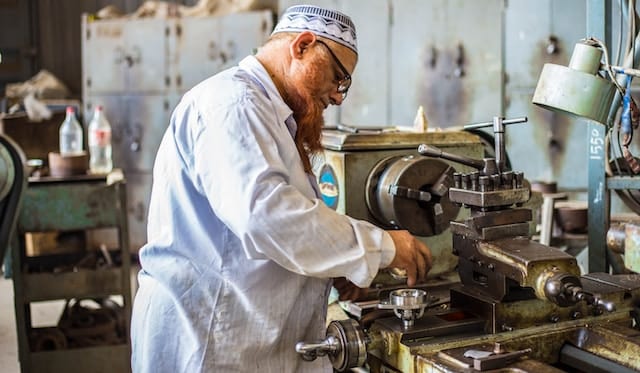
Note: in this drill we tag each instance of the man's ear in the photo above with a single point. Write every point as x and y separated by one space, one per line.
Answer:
301 43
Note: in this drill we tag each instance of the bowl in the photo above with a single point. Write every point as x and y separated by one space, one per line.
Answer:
572 216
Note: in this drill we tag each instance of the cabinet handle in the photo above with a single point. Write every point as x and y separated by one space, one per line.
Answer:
134 57
134 132
212 54
229 54
459 70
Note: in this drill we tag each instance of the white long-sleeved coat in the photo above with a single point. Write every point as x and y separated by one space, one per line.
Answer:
240 248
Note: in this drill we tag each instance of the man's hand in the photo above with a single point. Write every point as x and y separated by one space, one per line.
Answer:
411 255
348 290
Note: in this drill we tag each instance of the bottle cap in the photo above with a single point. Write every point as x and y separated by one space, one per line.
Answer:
70 110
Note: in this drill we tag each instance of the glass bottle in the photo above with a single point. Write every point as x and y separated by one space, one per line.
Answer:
70 134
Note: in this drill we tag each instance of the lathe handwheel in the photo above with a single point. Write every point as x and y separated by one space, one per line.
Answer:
352 351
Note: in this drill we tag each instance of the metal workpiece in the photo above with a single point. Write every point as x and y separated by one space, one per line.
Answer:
407 304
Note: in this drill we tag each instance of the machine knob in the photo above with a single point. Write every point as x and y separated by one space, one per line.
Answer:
565 290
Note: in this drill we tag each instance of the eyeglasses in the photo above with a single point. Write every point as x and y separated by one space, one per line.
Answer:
345 82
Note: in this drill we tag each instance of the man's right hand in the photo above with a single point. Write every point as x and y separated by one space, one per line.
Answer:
411 255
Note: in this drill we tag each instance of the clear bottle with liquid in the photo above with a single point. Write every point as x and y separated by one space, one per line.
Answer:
70 134
100 161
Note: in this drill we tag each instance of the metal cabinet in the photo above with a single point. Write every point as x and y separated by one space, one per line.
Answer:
63 205
138 70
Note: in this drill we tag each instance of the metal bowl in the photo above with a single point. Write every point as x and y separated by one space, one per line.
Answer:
572 216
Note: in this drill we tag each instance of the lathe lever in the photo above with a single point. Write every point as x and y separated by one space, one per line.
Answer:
409 193
310 351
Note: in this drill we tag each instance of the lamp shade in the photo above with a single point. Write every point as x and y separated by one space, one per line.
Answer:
576 90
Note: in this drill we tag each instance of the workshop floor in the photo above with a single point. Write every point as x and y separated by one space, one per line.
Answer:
42 314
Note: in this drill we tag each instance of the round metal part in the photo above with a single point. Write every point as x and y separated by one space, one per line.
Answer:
411 193
352 348
585 58
7 172
408 298
561 289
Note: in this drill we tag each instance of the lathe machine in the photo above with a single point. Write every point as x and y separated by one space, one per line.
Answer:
520 306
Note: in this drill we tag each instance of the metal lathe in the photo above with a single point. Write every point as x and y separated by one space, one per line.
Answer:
515 306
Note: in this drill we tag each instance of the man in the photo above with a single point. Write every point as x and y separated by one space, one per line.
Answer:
241 249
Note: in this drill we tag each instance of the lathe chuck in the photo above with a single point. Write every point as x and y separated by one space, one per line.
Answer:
407 192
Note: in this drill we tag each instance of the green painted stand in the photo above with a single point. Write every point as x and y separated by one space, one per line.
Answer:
71 204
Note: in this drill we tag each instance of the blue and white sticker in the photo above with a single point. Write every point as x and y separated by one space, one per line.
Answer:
328 186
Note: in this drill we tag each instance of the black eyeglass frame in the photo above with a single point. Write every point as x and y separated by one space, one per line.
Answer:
345 82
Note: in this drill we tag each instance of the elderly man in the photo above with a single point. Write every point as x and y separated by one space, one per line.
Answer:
241 248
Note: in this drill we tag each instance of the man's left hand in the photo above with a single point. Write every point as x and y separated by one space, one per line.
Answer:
348 290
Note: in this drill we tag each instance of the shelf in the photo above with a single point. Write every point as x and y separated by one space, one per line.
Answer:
100 359
84 283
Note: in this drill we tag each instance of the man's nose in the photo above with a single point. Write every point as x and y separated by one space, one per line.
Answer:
337 98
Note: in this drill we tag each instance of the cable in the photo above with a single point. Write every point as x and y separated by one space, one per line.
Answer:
593 41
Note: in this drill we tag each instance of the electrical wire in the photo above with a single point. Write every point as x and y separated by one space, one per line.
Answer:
607 66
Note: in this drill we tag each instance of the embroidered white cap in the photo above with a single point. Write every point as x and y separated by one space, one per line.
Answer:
327 23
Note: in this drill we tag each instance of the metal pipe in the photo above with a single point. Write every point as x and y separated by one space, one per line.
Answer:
587 362
490 124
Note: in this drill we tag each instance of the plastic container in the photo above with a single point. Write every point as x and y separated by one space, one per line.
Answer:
100 161
70 134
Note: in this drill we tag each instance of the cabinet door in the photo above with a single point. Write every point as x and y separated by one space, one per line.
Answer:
145 59
137 126
124 56
137 138
103 53
138 196
242 34
447 57
201 47
537 33
195 51
367 102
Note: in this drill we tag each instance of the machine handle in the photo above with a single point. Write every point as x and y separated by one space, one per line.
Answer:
311 350
490 124
432 151
409 193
